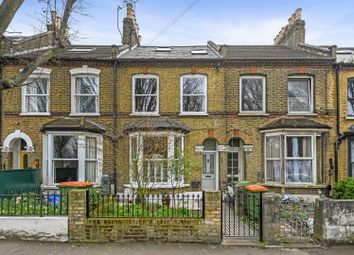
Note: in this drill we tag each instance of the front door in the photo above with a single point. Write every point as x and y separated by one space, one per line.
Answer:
208 175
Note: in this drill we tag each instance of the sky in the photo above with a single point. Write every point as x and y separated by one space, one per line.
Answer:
238 22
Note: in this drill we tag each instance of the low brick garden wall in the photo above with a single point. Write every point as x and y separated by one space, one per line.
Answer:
83 229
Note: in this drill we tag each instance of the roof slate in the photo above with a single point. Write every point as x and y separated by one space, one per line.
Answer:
73 124
292 122
156 124
177 52
99 52
267 52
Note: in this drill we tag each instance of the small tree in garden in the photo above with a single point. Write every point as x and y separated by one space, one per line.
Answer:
180 168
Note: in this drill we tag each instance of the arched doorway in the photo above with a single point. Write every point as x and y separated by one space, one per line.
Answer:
234 161
210 166
17 145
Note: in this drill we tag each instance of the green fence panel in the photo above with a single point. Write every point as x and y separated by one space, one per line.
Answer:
19 181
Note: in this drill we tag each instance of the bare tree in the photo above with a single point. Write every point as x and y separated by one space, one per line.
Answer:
8 9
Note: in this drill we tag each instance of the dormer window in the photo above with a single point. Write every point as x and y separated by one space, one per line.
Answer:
163 49
85 91
199 52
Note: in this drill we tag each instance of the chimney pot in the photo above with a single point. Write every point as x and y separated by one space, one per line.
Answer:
298 14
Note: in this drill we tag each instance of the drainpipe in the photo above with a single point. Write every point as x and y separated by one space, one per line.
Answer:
339 136
115 125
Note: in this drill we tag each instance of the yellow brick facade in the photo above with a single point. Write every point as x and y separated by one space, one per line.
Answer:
345 120
223 121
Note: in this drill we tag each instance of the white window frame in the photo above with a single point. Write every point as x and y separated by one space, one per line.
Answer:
170 137
205 112
349 116
146 76
48 151
263 95
283 172
280 157
38 73
84 71
311 94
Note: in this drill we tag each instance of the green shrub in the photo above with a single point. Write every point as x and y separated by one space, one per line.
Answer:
344 189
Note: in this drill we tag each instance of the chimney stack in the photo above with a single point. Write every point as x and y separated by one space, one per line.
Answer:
293 33
131 35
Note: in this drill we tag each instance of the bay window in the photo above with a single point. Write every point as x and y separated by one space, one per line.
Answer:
72 156
252 94
150 156
193 94
273 160
145 94
290 158
300 95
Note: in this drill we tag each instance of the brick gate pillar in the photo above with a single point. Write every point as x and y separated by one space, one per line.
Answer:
77 215
212 214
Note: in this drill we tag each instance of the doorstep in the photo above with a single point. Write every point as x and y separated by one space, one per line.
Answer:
242 243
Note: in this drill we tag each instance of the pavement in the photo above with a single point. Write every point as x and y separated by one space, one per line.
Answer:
49 248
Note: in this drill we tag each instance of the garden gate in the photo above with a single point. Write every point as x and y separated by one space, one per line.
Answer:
241 214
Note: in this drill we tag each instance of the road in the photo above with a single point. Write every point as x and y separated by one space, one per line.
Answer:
47 248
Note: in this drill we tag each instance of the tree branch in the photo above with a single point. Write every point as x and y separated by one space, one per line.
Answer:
8 9
20 78
60 41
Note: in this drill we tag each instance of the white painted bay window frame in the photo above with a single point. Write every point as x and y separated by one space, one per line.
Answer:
139 136
204 94
39 73
264 93
283 154
83 72
48 156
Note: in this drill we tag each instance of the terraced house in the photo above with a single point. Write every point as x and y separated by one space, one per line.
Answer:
259 113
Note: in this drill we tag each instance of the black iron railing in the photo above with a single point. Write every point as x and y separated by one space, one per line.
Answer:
43 203
144 206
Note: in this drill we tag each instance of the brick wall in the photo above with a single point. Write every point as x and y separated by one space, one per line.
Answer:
82 229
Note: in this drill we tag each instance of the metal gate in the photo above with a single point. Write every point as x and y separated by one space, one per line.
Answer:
241 214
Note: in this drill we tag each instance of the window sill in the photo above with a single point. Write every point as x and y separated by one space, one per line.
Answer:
35 114
84 114
253 114
302 114
350 117
193 114
145 114
157 186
